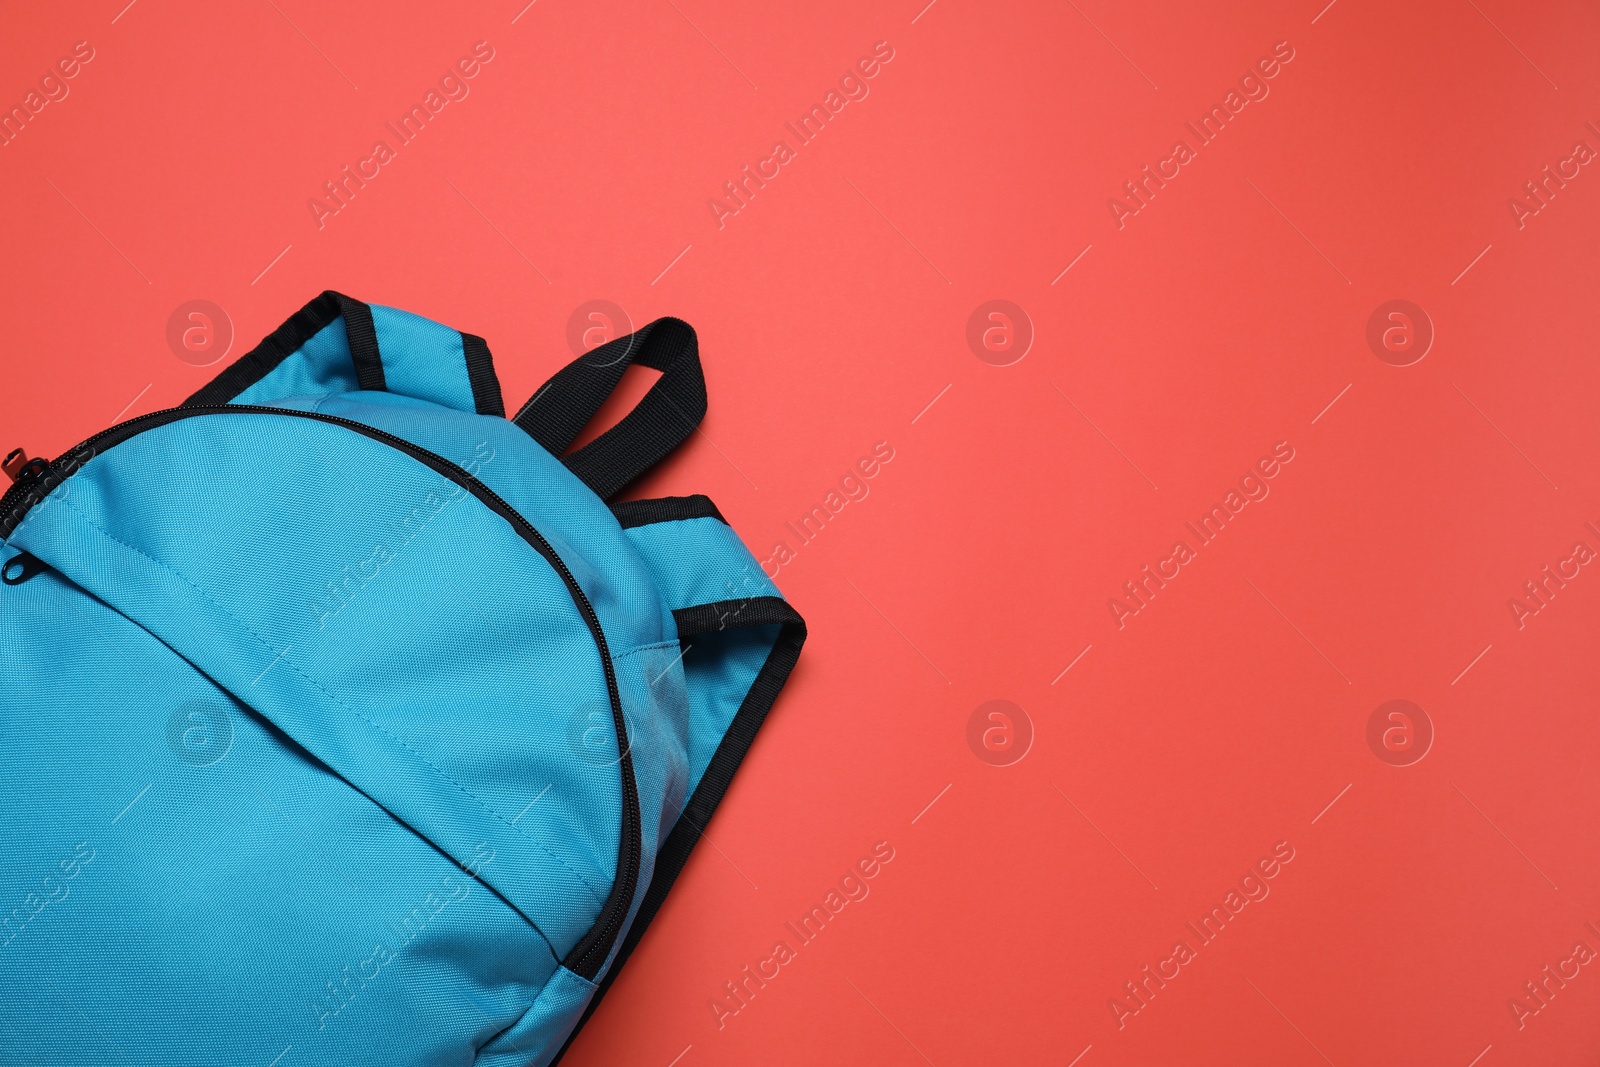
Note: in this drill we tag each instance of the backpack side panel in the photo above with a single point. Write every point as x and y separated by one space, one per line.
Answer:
702 561
538 1037
428 361
740 643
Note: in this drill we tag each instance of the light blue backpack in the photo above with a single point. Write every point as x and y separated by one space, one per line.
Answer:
342 722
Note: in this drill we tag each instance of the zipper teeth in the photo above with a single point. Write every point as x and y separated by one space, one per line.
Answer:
599 940
18 490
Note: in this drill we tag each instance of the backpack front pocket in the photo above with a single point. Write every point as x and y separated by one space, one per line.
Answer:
389 613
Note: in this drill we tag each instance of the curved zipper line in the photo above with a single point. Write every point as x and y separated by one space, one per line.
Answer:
594 948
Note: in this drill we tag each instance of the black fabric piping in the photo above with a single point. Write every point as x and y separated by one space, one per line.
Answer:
480 372
674 853
276 347
591 951
363 337
631 513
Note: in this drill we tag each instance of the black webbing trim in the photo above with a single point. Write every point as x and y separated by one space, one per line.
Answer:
661 421
631 513
480 373
261 360
559 409
734 614
362 335
287 339
363 343
674 853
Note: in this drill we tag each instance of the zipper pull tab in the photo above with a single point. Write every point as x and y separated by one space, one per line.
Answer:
20 568
15 460
26 469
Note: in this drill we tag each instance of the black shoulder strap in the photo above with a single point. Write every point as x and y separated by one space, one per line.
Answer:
661 421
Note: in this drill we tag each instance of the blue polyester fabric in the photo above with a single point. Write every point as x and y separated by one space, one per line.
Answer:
307 751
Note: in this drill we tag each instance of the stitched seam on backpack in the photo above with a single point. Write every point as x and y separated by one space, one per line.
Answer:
354 711
513 1024
555 976
662 645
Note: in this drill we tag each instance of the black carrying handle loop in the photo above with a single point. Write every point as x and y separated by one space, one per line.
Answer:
661 421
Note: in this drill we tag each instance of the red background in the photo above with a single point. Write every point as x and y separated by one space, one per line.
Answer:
1221 319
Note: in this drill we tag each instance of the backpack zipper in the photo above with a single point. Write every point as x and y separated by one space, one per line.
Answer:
591 952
